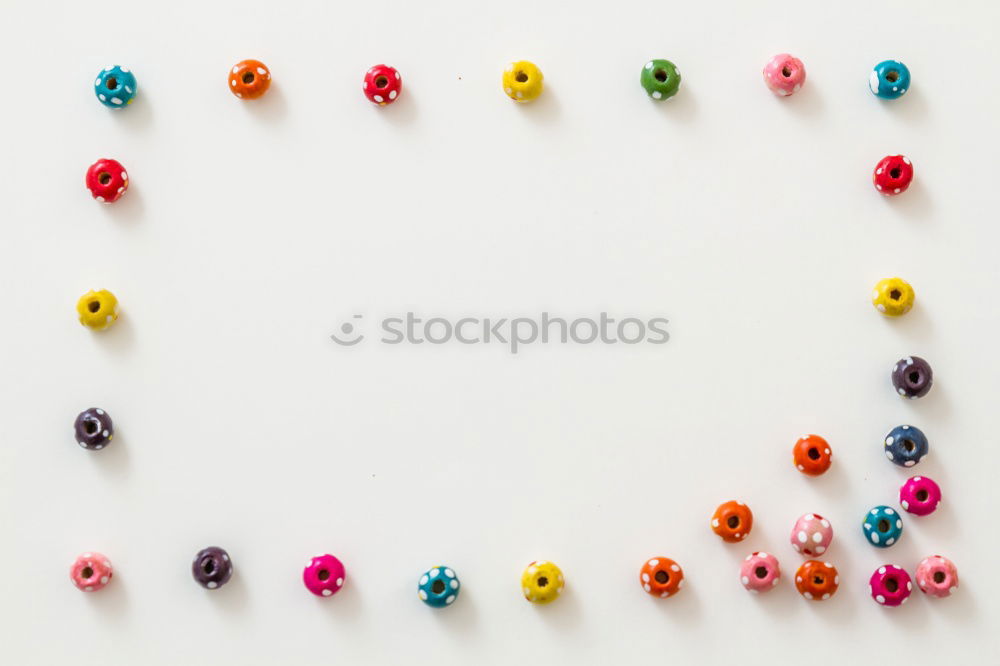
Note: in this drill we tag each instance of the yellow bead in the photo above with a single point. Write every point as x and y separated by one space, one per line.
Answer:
522 81
97 309
893 296
542 582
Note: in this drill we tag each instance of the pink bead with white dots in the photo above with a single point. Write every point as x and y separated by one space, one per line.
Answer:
890 585
324 575
920 495
91 571
760 572
784 74
811 535
937 576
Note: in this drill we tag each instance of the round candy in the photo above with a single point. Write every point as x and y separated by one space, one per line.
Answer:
912 377
732 521
882 526
811 455
542 582
889 79
97 310
91 571
890 585
660 79
920 495
906 445
107 180
937 576
784 74
438 587
324 575
892 175
522 81
893 296
661 577
811 534
382 84
760 572
93 429
817 581
115 87
212 567
249 79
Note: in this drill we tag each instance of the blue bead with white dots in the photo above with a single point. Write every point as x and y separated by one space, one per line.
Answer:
115 87
890 79
906 445
882 526
438 587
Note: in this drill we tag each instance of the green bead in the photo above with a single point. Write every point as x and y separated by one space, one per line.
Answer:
660 78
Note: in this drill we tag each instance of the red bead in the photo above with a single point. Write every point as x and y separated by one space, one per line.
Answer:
382 84
811 455
107 180
893 175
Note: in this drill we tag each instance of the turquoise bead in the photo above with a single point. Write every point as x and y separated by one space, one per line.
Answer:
890 79
883 526
115 87
438 587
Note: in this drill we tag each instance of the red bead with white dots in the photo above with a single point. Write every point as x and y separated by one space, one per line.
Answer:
893 175
107 180
382 84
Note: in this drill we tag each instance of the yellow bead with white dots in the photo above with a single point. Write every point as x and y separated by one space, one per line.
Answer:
542 582
522 81
97 309
893 296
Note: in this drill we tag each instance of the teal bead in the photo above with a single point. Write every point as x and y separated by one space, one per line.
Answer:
882 526
660 78
890 79
115 87
438 587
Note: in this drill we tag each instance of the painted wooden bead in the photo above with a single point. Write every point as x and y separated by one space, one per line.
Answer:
249 79
811 455
660 79
890 79
784 74
890 585
882 526
93 429
212 567
382 84
522 81
542 582
893 296
811 535
732 521
906 445
760 572
937 576
107 180
919 495
324 575
661 577
97 310
439 587
91 571
892 175
912 377
115 87
817 581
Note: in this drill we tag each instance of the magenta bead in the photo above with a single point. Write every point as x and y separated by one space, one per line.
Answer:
890 585
919 495
937 576
759 572
784 74
91 571
324 575
811 535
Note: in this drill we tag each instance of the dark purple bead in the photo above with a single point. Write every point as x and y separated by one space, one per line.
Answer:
94 429
912 377
212 567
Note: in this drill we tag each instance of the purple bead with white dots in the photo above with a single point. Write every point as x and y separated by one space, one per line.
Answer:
93 429
912 377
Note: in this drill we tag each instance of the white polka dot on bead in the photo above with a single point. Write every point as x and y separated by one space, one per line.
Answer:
450 598
803 537
420 593
327 593
879 598
340 582
212 585
423 579
674 567
392 94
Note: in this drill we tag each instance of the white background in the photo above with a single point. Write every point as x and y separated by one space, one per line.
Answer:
252 230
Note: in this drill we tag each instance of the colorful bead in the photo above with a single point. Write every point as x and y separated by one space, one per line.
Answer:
784 74
893 175
912 377
882 526
919 495
811 534
732 521
906 445
893 296
661 577
115 87
522 81
760 572
660 78
937 576
817 581
107 180
438 587
542 582
212 567
91 571
249 79
890 79
382 84
811 455
93 429
324 575
97 310
890 585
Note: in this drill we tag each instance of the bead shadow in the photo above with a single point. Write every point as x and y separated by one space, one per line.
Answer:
231 597
127 210
544 109
913 204
683 608
345 605
460 618
681 108
120 337
137 116
271 108
563 614
910 108
401 112
111 601
113 460
807 103
834 483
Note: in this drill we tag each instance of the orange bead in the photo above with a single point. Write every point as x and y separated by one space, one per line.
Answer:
732 521
661 577
817 581
249 79
811 455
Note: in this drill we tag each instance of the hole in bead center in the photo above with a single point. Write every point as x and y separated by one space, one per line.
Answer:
939 577
104 178
90 427
921 495
892 76
543 581
661 577
322 574
909 445
733 522
381 82
895 294
883 525
818 580
760 572
112 83
87 572
248 77
914 377
521 77
437 587
813 453
94 306
786 71
891 584
895 172
660 75
208 566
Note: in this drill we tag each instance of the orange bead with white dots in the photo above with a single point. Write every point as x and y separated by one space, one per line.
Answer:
661 577
812 455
